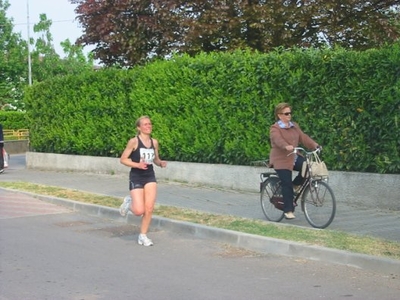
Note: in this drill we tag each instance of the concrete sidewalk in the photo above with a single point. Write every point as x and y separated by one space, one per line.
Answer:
356 220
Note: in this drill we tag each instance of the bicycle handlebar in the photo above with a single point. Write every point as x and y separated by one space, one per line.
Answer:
305 151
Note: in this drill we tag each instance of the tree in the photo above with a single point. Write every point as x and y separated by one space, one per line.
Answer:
13 62
46 63
127 32
123 31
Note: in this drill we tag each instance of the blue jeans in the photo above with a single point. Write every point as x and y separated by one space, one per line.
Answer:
287 185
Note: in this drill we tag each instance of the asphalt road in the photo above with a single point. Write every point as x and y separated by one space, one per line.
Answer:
68 255
50 252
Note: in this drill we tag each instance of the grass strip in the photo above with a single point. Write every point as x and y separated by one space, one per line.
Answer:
325 238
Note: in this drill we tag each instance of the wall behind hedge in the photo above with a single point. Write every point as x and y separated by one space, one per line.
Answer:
217 108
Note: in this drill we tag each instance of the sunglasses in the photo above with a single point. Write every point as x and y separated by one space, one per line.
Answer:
287 113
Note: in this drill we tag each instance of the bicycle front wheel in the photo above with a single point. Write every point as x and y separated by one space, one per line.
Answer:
269 189
319 204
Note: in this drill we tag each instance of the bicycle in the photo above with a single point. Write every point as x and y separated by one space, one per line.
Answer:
318 201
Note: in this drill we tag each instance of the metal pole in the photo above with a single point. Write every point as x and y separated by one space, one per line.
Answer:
29 46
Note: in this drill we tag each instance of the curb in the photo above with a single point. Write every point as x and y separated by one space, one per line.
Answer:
238 239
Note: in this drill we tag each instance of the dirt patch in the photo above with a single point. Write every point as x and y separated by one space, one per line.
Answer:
231 251
72 224
117 231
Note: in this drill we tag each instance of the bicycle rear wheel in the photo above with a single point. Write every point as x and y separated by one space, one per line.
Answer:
269 189
319 204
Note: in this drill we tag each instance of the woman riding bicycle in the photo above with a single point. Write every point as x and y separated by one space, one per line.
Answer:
285 135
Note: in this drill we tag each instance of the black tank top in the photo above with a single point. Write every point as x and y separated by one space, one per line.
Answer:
144 154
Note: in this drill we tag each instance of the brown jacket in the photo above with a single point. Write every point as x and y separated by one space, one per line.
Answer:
282 137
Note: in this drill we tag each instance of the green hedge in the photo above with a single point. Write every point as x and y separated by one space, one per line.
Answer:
217 108
13 120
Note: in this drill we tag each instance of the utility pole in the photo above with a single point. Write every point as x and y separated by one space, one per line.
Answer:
29 46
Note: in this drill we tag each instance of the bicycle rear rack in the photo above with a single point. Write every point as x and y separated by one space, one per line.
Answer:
266 175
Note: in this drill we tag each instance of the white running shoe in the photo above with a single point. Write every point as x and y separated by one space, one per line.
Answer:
289 215
125 206
144 240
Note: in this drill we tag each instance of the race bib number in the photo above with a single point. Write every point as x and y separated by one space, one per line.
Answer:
147 155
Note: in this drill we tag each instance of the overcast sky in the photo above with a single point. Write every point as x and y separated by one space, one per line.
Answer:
61 12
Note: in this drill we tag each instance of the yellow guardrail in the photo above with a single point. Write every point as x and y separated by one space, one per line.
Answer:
16 134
